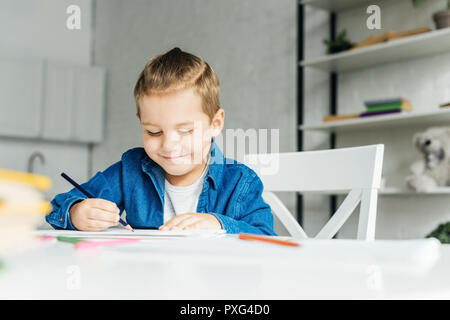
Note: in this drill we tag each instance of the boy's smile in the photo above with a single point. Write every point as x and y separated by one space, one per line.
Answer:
177 133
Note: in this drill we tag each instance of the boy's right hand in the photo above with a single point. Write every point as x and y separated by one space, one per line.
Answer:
94 214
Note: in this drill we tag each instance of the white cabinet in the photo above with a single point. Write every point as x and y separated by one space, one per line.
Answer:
57 103
88 102
51 101
20 98
73 103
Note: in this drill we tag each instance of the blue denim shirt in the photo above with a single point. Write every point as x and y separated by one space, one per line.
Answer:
231 192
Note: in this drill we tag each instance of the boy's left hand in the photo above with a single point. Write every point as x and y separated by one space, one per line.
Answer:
188 221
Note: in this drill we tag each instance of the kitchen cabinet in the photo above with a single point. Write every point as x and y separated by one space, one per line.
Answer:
51 101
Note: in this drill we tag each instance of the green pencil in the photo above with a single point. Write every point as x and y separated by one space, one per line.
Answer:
69 239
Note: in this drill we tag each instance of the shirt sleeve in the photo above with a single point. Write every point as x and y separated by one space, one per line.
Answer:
253 214
105 185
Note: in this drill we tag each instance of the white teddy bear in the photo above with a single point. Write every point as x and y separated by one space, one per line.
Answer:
434 169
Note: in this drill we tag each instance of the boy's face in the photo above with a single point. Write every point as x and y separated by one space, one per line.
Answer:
176 132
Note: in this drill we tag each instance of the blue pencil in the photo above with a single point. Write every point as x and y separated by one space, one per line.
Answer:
87 194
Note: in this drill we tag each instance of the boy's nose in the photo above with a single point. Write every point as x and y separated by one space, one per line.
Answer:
169 144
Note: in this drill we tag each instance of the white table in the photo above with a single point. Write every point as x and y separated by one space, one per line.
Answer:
223 268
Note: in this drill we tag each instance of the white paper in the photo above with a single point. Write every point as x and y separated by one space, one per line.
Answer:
138 233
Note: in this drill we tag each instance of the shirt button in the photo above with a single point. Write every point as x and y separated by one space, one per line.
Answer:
60 219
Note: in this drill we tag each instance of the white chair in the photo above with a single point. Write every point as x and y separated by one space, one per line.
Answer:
357 170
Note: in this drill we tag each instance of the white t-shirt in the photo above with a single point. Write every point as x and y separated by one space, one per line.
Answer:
179 200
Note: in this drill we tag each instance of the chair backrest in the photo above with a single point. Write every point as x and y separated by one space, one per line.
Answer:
357 170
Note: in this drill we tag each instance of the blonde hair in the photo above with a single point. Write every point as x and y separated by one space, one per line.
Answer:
178 70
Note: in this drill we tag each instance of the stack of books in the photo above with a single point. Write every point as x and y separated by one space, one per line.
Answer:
375 108
22 207
381 107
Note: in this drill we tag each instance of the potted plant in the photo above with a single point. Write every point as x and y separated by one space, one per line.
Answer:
442 233
441 18
341 43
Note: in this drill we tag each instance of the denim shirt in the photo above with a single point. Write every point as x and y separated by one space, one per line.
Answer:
231 192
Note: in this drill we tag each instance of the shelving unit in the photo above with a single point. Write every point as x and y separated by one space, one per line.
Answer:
422 45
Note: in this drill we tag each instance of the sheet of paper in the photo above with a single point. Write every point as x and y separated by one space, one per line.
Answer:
138 233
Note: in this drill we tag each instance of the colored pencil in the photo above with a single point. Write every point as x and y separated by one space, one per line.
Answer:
249 236
104 243
69 239
81 243
87 194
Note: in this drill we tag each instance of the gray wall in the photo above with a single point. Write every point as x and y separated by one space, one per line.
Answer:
36 30
250 44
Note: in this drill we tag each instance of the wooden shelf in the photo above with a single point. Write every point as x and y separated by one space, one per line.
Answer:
334 5
438 117
420 45
390 191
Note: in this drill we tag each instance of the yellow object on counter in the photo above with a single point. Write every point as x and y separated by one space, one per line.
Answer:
34 180
24 209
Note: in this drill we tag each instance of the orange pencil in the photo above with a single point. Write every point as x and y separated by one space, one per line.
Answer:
249 236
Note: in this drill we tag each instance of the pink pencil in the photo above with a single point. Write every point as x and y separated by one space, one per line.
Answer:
106 243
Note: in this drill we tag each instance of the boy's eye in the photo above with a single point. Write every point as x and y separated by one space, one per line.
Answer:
154 133
185 131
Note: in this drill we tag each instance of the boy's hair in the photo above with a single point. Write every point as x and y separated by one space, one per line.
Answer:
176 70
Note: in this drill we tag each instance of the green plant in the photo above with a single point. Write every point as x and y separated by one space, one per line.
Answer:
442 233
341 43
417 2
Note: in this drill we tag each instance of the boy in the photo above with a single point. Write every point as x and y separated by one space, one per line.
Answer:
180 179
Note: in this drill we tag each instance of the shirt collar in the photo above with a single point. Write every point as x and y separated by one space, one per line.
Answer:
215 172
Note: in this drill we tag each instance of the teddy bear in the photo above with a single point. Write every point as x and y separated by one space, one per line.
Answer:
434 168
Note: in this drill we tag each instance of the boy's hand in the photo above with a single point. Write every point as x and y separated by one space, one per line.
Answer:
94 215
188 221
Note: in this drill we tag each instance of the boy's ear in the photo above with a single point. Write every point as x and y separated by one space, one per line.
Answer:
218 122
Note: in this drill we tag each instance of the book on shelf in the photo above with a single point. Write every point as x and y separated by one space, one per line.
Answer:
394 106
336 117
375 108
383 102
387 105
379 113
393 35
389 36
